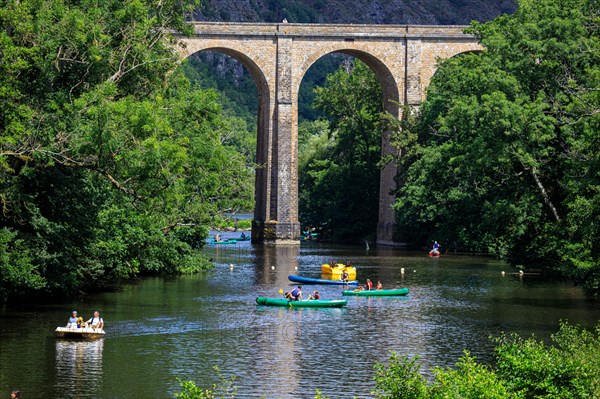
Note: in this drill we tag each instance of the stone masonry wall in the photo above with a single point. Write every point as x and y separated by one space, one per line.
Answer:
403 57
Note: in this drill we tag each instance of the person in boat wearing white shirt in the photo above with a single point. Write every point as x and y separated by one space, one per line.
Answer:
96 321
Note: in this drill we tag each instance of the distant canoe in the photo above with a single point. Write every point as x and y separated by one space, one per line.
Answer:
308 280
79 333
247 238
317 303
223 242
397 292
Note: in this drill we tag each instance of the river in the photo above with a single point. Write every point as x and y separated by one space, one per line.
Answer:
162 329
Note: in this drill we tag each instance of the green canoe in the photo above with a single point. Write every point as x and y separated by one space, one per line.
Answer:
398 292
318 303
223 242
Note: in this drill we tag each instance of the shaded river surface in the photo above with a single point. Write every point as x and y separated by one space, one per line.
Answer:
162 329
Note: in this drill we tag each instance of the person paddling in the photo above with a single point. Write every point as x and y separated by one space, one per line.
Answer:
435 251
295 295
379 285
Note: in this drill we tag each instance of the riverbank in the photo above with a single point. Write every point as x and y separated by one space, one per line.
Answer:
230 229
233 223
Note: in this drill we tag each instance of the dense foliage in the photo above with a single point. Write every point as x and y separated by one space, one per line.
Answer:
568 367
111 162
505 154
224 389
339 157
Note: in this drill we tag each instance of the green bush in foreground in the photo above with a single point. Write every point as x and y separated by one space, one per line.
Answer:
226 389
567 367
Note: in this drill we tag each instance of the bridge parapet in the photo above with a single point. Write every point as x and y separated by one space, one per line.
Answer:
388 32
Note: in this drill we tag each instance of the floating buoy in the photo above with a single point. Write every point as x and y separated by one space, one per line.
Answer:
402 270
414 271
272 267
295 267
521 272
231 266
503 273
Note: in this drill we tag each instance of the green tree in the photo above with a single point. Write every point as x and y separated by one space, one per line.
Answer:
112 163
568 367
17 271
339 164
525 368
507 156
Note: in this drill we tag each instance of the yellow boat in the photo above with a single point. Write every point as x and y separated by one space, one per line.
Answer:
335 273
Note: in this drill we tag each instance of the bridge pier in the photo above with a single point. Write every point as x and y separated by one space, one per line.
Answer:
282 226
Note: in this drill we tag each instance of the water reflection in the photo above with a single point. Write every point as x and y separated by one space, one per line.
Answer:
280 337
78 368
168 328
274 263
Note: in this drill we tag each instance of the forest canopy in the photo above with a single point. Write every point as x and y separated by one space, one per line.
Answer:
504 156
111 162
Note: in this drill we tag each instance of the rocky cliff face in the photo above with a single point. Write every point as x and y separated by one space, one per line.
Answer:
427 12
223 73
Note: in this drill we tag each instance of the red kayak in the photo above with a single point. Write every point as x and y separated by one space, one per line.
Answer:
434 254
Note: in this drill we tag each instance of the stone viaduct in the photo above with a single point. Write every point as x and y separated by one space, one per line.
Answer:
277 56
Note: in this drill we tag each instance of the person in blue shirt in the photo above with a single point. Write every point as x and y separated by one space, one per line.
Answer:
72 323
295 294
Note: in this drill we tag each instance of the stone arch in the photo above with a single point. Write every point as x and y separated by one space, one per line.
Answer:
435 70
391 79
264 80
404 58
387 80
425 65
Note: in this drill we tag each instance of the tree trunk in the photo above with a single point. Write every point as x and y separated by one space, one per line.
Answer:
544 194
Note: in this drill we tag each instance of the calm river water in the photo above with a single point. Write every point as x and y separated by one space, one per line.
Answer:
162 329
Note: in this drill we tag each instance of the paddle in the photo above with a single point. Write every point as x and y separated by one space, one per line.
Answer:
282 293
